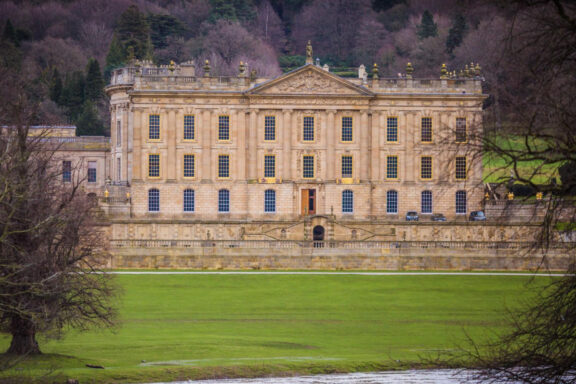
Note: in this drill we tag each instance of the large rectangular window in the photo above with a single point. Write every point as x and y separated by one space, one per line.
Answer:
223 128
154 127
392 129
460 168
391 167
461 130
347 201
223 166
189 165
92 172
426 167
308 128
308 167
270 128
269 166
270 201
392 202
461 205
347 130
154 165
189 203
223 201
66 171
189 128
426 130
347 163
153 200
426 202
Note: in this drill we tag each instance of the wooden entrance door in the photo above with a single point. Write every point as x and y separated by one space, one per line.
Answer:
308 202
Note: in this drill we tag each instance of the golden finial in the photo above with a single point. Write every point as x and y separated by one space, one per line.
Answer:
443 72
510 195
409 70
539 195
206 68
375 72
486 196
477 69
172 66
466 71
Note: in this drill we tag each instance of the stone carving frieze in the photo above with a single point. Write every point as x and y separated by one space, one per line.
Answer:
310 82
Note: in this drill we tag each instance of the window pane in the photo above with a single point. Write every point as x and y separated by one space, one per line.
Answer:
346 166
347 133
189 133
426 130
153 165
223 127
308 132
347 201
66 171
91 171
154 127
269 200
460 168
189 161
391 202
223 166
461 202
188 200
461 134
270 128
269 166
308 167
426 202
153 200
392 129
223 200
426 167
392 167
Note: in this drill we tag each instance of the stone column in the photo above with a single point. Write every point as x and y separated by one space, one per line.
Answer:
331 140
377 119
321 143
287 144
240 124
206 138
411 160
364 155
171 157
253 146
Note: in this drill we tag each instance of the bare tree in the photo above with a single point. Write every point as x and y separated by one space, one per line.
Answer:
533 134
49 241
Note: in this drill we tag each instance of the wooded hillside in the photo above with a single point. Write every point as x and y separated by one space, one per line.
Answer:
68 47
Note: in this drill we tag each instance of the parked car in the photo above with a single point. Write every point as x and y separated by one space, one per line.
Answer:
412 216
438 217
477 216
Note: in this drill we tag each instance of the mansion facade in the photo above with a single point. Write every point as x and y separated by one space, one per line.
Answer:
306 143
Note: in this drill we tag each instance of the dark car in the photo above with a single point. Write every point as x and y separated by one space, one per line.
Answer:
411 216
438 217
477 216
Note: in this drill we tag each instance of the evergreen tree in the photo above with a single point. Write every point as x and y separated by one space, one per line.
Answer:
222 9
115 58
427 27
9 34
133 31
56 87
72 97
88 123
94 81
456 33
162 26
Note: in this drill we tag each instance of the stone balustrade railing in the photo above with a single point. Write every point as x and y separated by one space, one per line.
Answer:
292 244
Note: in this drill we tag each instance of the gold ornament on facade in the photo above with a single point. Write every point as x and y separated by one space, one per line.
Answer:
443 72
375 71
206 68
172 66
309 53
409 70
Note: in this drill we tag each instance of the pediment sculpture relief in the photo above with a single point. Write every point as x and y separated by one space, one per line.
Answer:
310 82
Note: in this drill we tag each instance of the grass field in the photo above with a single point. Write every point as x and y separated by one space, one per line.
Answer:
204 326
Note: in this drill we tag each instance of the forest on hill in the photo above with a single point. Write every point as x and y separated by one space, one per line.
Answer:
67 48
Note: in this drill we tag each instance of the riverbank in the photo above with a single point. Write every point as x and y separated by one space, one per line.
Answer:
180 327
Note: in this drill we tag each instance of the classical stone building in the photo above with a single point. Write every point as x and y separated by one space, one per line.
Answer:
305 144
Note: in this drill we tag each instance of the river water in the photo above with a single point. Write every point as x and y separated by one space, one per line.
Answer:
443 376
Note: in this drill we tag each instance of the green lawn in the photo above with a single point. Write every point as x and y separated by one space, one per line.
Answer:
194 326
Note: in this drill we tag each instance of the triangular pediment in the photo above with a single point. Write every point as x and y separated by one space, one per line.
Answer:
309 80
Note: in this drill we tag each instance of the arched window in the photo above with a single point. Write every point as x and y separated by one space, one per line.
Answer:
223 201
270 201
347 201
189 200
153 200
461 202
426 202
391 202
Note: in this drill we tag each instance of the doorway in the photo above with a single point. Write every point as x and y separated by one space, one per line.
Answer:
318 236
308 202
